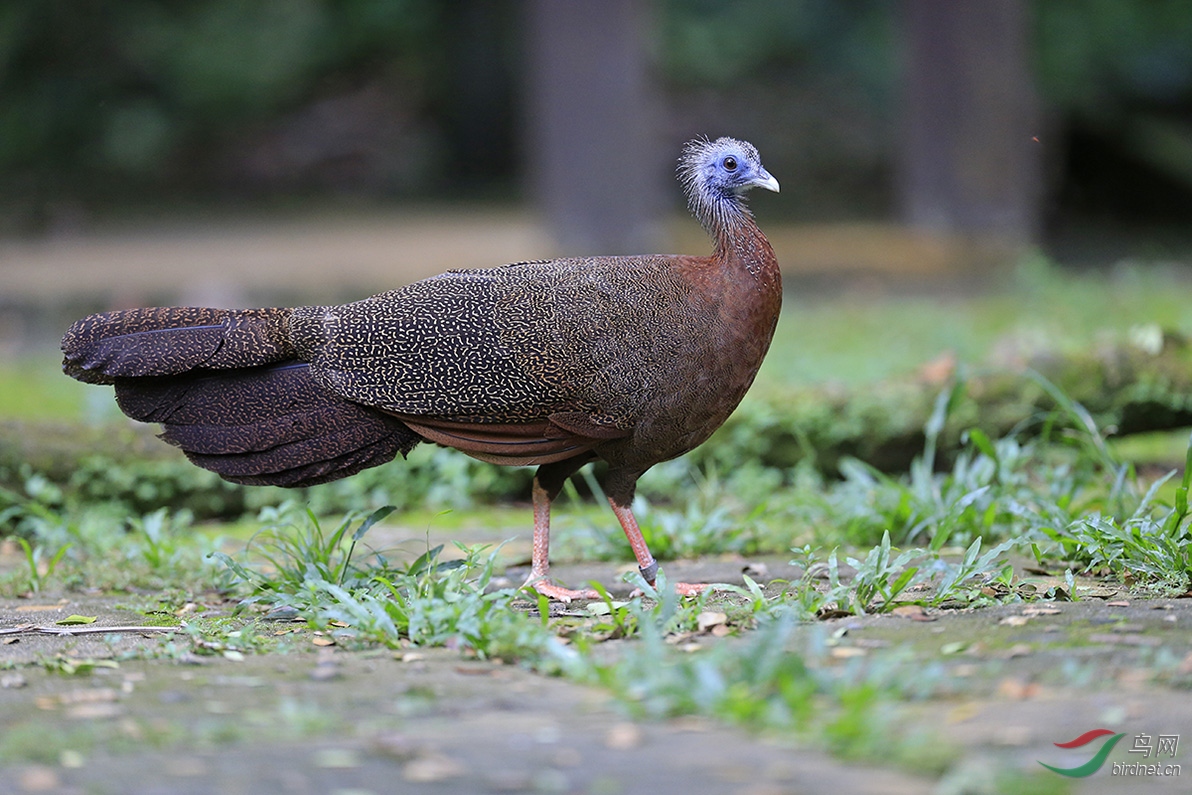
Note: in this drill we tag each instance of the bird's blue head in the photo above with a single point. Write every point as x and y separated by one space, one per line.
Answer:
716 175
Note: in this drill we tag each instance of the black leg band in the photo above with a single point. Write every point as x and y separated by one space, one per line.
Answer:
649 573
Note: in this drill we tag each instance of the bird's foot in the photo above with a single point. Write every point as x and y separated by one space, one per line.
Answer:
558 593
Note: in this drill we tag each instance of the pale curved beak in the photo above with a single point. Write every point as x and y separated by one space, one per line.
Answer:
764 180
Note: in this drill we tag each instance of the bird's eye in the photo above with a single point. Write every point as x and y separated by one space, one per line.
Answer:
730 163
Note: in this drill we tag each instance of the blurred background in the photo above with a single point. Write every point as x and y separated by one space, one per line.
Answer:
256 151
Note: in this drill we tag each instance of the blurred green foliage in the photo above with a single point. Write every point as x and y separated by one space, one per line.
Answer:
713 43
111 101
1103 58
94 91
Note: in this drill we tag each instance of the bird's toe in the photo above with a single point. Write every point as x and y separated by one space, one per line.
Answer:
560 594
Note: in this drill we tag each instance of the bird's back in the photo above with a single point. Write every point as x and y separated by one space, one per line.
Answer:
647 346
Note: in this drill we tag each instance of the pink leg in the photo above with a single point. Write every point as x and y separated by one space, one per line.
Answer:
540 559
645 561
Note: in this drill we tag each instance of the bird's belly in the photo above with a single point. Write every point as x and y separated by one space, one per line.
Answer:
679 420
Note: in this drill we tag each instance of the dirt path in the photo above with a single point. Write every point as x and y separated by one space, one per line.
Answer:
326 720
433 723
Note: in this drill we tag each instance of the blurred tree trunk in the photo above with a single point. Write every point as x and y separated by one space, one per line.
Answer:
594 169
480 123
969 160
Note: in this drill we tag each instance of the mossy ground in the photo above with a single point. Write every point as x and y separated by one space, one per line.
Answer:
260 705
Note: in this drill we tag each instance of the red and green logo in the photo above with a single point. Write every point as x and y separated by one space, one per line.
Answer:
1093 765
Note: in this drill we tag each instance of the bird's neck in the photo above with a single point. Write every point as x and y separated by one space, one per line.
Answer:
740 243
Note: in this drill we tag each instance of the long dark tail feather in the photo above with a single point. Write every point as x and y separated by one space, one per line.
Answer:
163 341
271 425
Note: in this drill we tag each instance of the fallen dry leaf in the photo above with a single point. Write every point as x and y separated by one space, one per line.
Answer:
38 608
1038 610
97 711
1014 621
708 619
1017 689
92 695
1017 650
322 641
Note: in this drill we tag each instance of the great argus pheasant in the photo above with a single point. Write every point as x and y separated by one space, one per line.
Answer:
632 360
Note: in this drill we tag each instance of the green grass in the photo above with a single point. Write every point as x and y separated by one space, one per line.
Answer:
102 548
35 388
